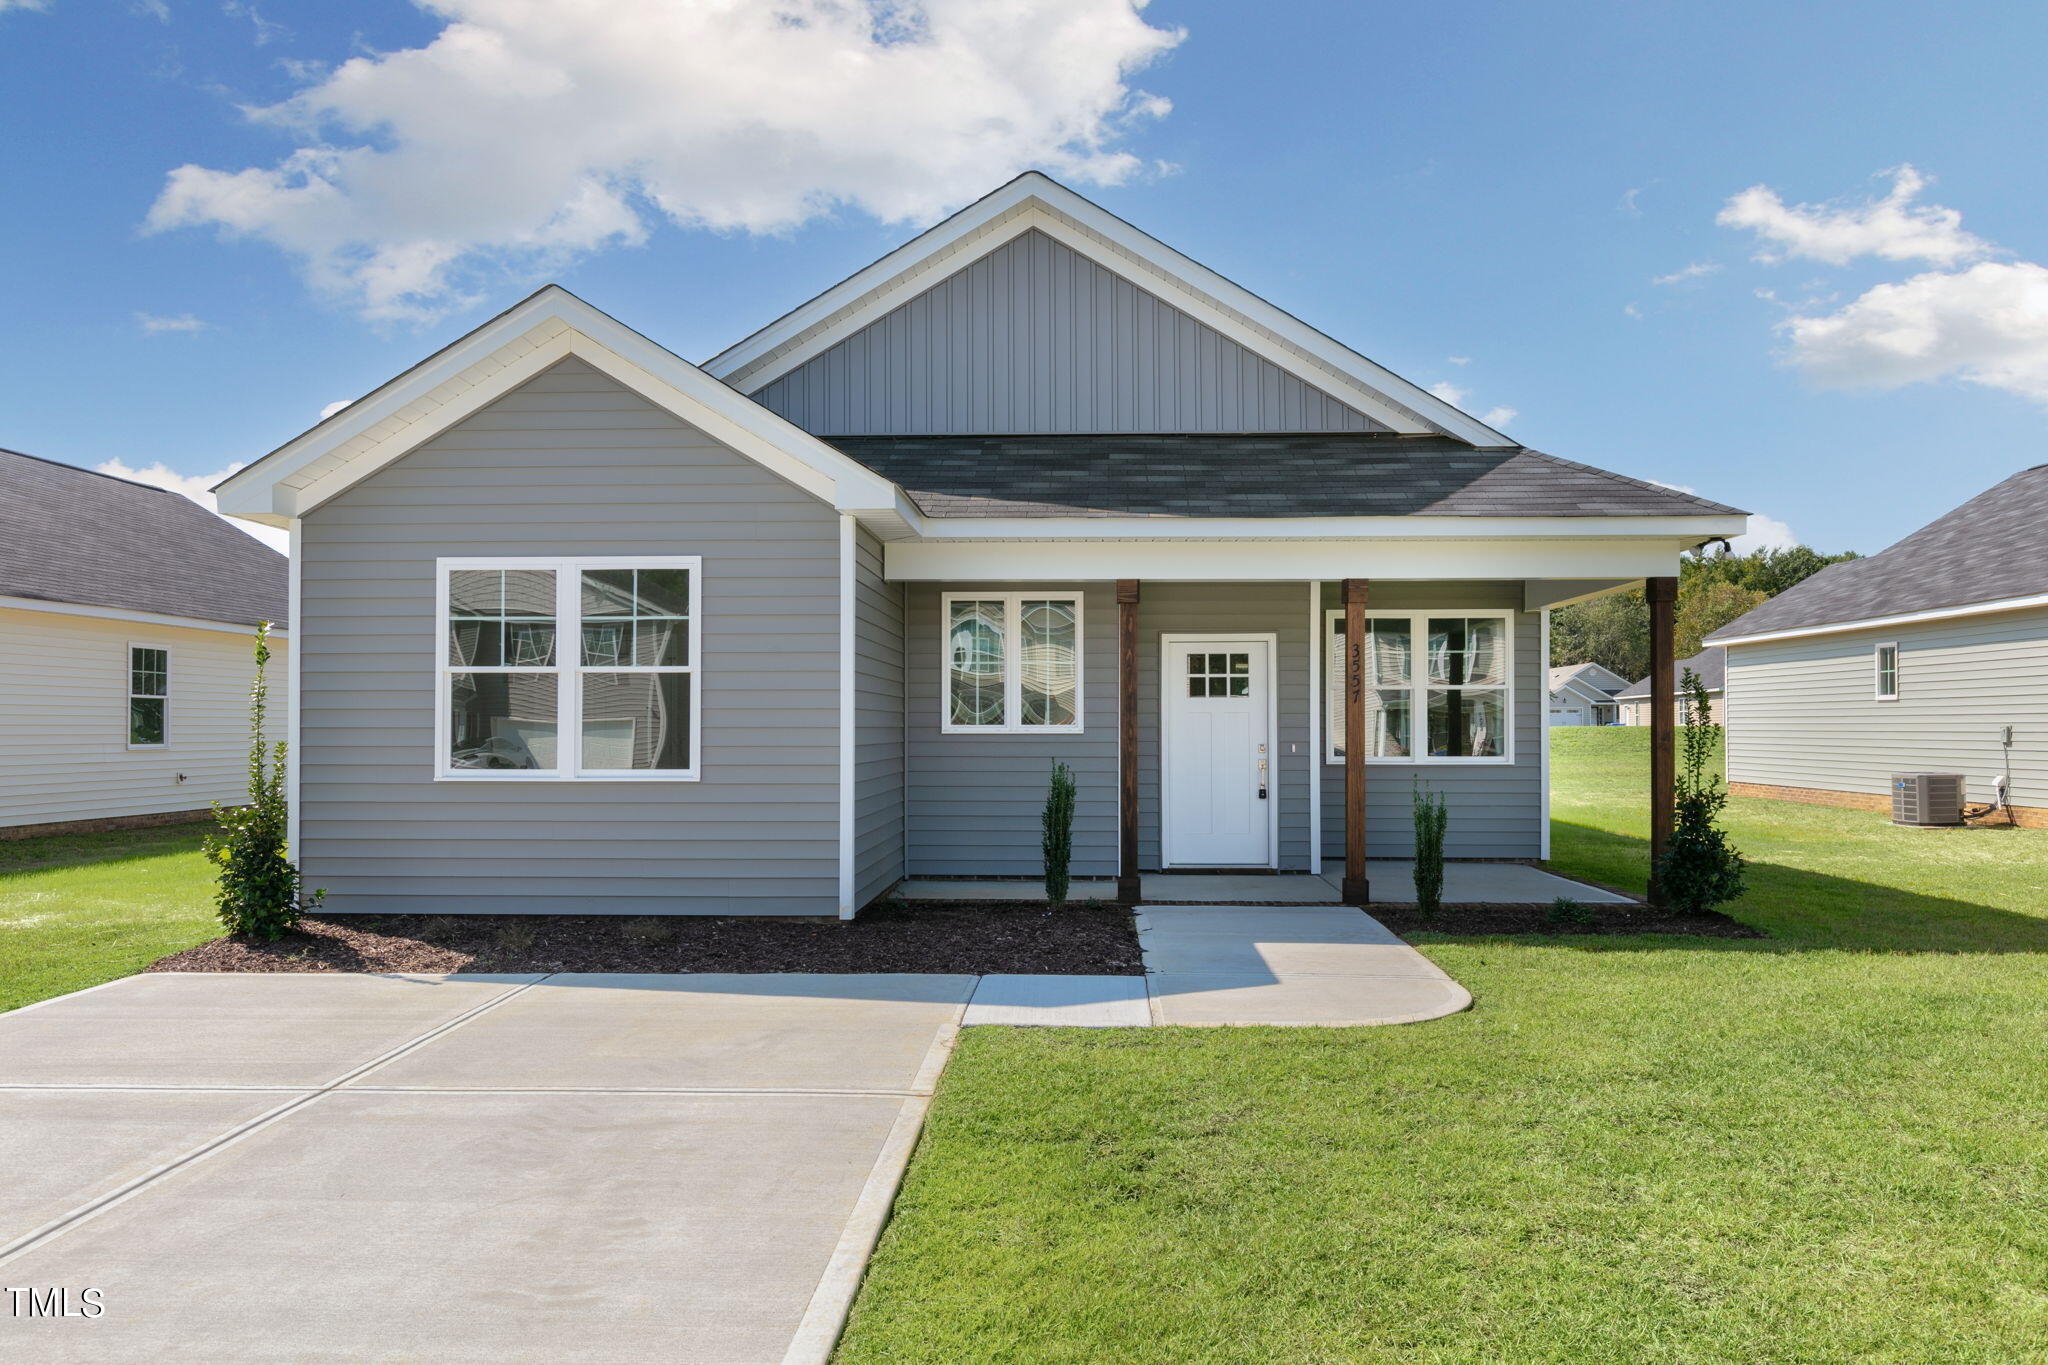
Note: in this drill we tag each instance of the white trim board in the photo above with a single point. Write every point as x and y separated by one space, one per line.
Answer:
1484 557
1886 622
849 536
1272 643
1035 201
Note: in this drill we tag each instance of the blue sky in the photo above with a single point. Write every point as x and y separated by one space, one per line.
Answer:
1479 195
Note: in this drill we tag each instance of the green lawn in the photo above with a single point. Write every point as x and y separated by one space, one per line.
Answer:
84 909
1831 1145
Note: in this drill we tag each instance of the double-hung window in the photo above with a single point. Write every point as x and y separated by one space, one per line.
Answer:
1012 663
149 697
1438 687
1887 662
569 668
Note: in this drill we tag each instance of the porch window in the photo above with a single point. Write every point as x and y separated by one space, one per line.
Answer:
1012 663
569 669
149 697
1438 687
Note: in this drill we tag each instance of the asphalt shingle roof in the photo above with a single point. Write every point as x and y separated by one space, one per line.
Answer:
1994 546
70 535
1710 665
1341 474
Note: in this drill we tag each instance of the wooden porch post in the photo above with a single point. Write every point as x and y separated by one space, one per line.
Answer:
1128 886
1662 595
1356 889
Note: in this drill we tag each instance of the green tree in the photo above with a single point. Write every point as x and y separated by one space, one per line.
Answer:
1704 608
1613 631
1700 869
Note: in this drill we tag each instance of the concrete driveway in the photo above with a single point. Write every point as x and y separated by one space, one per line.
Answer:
470 1168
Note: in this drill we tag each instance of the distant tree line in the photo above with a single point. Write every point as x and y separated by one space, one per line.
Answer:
1713 589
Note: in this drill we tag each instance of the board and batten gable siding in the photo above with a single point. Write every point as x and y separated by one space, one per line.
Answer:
64 718
1803 712
572 463
1496 809
879 724
975 800
1035 338
1277 609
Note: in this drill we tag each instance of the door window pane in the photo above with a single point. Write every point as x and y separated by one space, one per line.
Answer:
502 720
1048 665
636 722
975 649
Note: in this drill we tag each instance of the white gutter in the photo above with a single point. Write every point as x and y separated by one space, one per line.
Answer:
1885 622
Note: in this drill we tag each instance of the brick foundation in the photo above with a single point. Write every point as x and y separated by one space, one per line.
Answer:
2026 817
104 824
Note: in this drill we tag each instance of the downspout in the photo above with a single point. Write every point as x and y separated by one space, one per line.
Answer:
295 643
847 534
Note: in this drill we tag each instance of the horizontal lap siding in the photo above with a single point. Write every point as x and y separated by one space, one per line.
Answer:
1496 810
571 463
878 724
1034 337
1802 713
975 800
1279 609
64 719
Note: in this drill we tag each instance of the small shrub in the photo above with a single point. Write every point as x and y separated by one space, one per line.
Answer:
1058 822
653 930
515 936
1565 912
1700 869
258 892
1432 818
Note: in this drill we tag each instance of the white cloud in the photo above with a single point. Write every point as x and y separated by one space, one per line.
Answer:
1692 271
1893 227
1499 417
526 134
195 486
336 406
1764 533
1987 325
1627 203
1460 359
6 5
154 324
1450 393
1631 310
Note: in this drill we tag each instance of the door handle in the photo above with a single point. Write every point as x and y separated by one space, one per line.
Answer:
1262 779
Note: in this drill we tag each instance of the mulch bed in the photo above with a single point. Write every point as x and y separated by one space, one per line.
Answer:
1099 940
1476 920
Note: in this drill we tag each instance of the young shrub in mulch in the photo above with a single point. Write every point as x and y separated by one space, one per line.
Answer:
1058 842
1432 818
1566 913
259 893
1700 869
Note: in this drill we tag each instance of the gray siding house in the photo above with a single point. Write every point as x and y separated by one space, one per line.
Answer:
1583 694
1710 666
586 627
1931 656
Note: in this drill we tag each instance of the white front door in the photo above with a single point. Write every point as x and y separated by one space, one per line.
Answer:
1217 771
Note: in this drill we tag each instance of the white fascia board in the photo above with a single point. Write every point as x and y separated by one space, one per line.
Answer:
260 491
1034 201
1885 622
1492 558
143 618
1686 530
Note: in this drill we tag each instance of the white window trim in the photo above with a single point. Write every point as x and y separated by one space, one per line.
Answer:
568 672
1877 670
1013 683
129 694
1418 625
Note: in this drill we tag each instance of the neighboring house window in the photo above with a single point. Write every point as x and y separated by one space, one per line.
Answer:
1887 672
1438 687
569 668
149 697
1013 663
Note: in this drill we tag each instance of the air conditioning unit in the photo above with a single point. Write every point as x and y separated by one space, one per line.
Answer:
1927 798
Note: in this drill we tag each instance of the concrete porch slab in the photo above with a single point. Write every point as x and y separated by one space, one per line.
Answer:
295 1030
634 1031
1227 888
941 889
1393 883
1064 1001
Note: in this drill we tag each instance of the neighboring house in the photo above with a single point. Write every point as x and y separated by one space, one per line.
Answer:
585 627
127 624
1710 666
1583 694
1931 656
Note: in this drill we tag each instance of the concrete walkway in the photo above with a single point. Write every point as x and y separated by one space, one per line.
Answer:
466 1168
